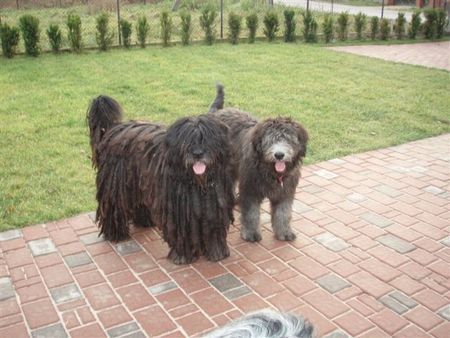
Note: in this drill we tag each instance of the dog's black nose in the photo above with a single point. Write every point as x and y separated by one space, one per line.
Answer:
198 153
279 155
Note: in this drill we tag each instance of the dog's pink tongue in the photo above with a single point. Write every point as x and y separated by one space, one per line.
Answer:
280 166
199 168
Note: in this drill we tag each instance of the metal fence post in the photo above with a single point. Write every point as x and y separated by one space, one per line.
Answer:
382 8
118 22
221 19
17 4
307 5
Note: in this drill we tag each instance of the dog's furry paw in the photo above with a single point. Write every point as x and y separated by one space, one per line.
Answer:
251 236
290 236
218 254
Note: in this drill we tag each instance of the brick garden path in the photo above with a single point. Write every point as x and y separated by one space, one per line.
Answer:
372 259
431 54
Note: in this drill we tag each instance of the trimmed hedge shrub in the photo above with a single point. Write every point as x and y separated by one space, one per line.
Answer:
271 25
186 27
374 27
54 35
74 32
430 26
327 27
441 22
234 27
142 30
126 29
360 24
10 37
103 36
289 25
207 23
399 26
166 28
342 21
29 25
309 27
385 29
414 25
252 25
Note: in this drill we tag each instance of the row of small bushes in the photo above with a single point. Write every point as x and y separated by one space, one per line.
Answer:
433 27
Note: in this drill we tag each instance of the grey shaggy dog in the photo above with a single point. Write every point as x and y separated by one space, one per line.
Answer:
266 161
266 324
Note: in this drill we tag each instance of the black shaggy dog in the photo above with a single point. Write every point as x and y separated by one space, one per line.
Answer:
175 178
266 158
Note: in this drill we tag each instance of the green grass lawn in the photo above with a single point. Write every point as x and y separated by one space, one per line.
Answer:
348 104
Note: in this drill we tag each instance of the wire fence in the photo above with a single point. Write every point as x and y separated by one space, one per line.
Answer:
56 12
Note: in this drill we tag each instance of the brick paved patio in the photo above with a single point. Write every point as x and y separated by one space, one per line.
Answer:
372 259
430 54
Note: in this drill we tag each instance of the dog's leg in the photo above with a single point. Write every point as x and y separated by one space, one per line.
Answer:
216 247
142 217
281 219
249 219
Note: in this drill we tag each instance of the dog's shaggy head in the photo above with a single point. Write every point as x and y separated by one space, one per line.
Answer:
197 144
280 142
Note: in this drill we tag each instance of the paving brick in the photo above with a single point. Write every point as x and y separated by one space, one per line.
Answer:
380 270
393 304
430 299
411 331
122 278
325 303
250 303
211 301
161 288
441 331
285 301
12 244
442 268
31 293
52 331
262 284
18 258
423 318
237 292
299 285
79 259
91 238
89 278
9 307
445 312
114 316
406 285
253 252
100 296
208 269
405 300
172 299
70 320
65 293
353 323
396 243
56 275
389 321
369 284
344 268
273 267
422 257
91 330
225 282
140 262
415 271
127 247
135 296
332 283
376 219
9 235
331 242
154 321
41 246
308 267
46 314
109 263
388 256
6 288
183 310
85 315
195 323
123 330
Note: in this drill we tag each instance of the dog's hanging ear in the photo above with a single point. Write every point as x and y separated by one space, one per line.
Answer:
303 137
257 137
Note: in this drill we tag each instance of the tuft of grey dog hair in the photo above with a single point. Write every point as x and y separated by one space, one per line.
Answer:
266 324
219 100
266 158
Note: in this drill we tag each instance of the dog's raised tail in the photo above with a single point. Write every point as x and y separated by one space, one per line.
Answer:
103 113
219 100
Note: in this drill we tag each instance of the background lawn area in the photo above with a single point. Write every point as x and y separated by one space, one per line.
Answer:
348 104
